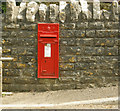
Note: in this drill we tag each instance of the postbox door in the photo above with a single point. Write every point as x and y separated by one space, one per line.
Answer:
47 62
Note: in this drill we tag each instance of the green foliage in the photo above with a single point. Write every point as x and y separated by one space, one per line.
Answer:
105 6
3 7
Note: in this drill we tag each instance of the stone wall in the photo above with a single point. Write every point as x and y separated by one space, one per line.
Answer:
0 51
89 45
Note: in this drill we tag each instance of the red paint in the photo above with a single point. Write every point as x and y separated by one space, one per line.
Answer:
48 38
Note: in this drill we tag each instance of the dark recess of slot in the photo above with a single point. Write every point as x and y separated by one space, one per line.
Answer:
47 37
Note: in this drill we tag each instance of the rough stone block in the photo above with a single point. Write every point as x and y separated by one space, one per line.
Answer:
114 9
99 51
29 27
14 51
6 51
26 42
53 12
66 66
20 51
67 41
67 26
21 11
104 42
62 11
96 9
90 33
67 33
107 33
67 58
6 65
9 42
30 51
85 13
67 50
10 8
82 66
86 59
12 72
105 15
79 50
89 51
111 50
11 26
32 8
29 72
27 34
5 34
112 25
42 12
27 59
96 25
80 33
75 10
68 74
8 80
85 41
82 25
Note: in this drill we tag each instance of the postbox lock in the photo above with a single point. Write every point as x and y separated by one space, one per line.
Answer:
49 28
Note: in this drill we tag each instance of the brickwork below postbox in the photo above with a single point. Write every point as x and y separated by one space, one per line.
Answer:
88 56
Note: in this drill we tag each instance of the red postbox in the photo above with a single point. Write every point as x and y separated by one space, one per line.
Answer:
48 50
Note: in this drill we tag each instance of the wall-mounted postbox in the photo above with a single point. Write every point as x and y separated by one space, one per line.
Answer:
48 50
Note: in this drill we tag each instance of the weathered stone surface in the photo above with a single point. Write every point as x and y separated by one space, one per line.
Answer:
99 51
66 66
62 11
42 12
107 33
85 13
67 33
67 41
10 13
96 25
82 25
75 10
12 26
21 11
32 8
114 8
53 12
90 33
82 66
84 41
80 33
96 9
112 25
12 72
105 15
29 27
88 53
0 51
67 59
26 42
67 26
104 42
67 50
111 50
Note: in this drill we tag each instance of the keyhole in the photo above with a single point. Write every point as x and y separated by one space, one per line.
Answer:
45 61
